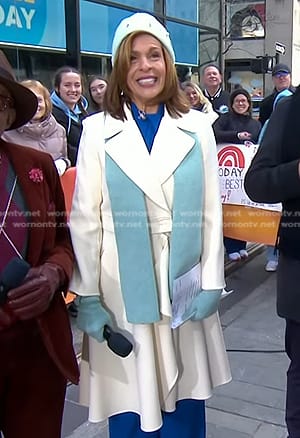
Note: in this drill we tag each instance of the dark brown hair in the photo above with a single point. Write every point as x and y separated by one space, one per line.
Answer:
244 93
91 79
118 93
59 73
57 81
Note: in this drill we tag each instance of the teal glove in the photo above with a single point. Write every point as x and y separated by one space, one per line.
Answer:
204 305
92 317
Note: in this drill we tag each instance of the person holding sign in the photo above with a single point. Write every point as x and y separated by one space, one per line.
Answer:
146 227
237 126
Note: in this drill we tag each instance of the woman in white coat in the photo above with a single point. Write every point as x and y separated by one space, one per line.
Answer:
146 226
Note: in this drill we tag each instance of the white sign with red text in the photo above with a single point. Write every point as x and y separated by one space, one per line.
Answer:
234 161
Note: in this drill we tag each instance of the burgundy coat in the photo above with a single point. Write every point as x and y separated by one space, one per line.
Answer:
48 240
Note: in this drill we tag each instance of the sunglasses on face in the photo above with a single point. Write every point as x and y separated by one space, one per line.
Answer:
281 74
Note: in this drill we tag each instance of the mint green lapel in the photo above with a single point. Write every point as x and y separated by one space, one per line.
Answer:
138 283
186 241
136 265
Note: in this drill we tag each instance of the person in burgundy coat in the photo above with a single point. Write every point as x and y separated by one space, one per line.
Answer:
36 261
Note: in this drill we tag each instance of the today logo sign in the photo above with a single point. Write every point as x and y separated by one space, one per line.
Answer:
33 23
22 21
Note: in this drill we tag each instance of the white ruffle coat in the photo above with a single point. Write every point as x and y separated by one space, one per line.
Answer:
166 365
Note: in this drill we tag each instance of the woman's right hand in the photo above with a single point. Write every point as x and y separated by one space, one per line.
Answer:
244 135
92 317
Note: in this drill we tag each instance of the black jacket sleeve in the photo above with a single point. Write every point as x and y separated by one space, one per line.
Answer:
268 179
266 108
73 131
254 129
223 130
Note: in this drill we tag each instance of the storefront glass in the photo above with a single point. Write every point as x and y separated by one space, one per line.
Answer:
34 39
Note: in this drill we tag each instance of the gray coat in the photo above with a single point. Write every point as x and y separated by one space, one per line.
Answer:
46 136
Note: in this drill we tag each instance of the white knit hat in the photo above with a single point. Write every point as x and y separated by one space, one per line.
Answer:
145 23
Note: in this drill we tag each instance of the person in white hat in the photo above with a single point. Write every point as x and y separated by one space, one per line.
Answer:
146 228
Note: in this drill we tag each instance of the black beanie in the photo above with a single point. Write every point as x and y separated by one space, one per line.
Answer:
236 93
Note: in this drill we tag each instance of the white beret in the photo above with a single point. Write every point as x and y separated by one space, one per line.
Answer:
145 23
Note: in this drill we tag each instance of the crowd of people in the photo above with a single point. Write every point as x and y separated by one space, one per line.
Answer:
144 147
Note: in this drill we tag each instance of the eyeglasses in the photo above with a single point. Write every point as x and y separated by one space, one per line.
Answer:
240 101
280 74
6 102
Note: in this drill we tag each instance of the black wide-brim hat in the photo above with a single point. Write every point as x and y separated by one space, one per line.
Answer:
25 101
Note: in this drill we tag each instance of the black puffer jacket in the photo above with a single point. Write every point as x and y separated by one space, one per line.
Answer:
227 127
267 105
71 120
73 131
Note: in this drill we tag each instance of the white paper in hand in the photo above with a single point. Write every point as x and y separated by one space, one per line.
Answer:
185 289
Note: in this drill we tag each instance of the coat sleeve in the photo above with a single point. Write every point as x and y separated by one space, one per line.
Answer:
64 148
223 131
212 259
60 117
268 180
255 130
265 109
61 253
85 220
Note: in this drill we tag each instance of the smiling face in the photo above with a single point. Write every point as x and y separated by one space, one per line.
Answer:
70 89
41 109
240 104
97 90
281 81
211 78
147 72
192 95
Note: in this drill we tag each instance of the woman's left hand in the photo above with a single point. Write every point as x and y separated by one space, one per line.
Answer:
203 305
34 295
61 166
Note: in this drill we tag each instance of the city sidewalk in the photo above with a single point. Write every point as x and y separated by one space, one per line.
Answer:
252 405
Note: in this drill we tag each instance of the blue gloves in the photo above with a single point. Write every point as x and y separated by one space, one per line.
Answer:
92 317
204 305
